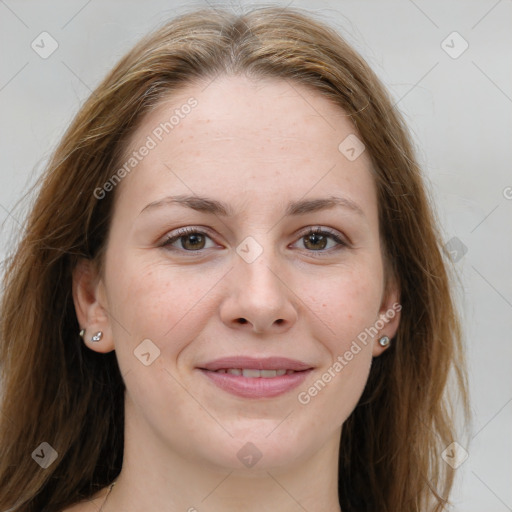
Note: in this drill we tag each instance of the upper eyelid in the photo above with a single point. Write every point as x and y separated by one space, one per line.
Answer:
179 232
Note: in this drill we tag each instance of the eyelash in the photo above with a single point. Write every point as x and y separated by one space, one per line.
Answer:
170 239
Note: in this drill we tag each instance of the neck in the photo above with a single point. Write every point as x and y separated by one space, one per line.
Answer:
158 477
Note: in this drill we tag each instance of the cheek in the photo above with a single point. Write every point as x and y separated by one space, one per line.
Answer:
349 307
331 398
348 303
157 301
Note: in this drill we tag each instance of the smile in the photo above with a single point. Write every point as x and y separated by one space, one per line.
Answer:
251 383
254 374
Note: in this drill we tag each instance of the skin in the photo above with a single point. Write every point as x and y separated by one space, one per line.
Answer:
255 146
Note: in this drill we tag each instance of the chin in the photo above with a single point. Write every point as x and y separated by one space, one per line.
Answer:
259 449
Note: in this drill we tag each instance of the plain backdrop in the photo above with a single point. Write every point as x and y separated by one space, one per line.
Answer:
446 63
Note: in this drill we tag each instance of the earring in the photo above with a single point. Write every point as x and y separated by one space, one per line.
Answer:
97 336
384 341
81 333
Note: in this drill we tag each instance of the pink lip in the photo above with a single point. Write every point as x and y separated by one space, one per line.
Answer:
265 363
258 387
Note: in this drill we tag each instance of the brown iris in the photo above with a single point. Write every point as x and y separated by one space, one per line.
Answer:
193 241
314 239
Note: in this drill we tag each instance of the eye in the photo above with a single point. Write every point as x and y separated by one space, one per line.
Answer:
189 239
192 239
321 240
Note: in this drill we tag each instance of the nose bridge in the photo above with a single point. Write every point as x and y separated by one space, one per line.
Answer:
257 292
261 276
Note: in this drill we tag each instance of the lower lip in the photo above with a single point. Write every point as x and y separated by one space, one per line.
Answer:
257 387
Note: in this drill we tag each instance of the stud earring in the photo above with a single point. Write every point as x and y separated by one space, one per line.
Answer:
384 341
81 333
97 336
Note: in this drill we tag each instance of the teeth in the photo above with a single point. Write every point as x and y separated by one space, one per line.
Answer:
253 374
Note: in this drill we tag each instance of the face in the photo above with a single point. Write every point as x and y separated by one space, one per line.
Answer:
242 232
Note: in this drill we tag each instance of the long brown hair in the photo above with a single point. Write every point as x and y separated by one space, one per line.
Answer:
56 390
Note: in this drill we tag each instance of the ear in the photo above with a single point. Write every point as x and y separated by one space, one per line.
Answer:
90 306
389 318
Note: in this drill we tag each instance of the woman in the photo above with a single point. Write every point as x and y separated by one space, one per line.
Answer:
230 291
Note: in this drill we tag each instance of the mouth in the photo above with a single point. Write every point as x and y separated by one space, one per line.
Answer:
252 373
256 378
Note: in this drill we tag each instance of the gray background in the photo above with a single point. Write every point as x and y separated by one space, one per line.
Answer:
459 110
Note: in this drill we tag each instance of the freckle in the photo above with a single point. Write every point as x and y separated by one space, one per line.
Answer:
323 305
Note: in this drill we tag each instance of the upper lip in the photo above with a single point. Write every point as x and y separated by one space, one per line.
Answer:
265 363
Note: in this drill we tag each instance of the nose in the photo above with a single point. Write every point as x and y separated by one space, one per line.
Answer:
258 298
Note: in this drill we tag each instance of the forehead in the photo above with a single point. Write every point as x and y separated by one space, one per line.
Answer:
246 139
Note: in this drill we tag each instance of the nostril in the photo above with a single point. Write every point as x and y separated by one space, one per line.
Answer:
279 321
242 321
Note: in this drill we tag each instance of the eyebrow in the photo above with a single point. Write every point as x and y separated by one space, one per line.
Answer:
212 206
